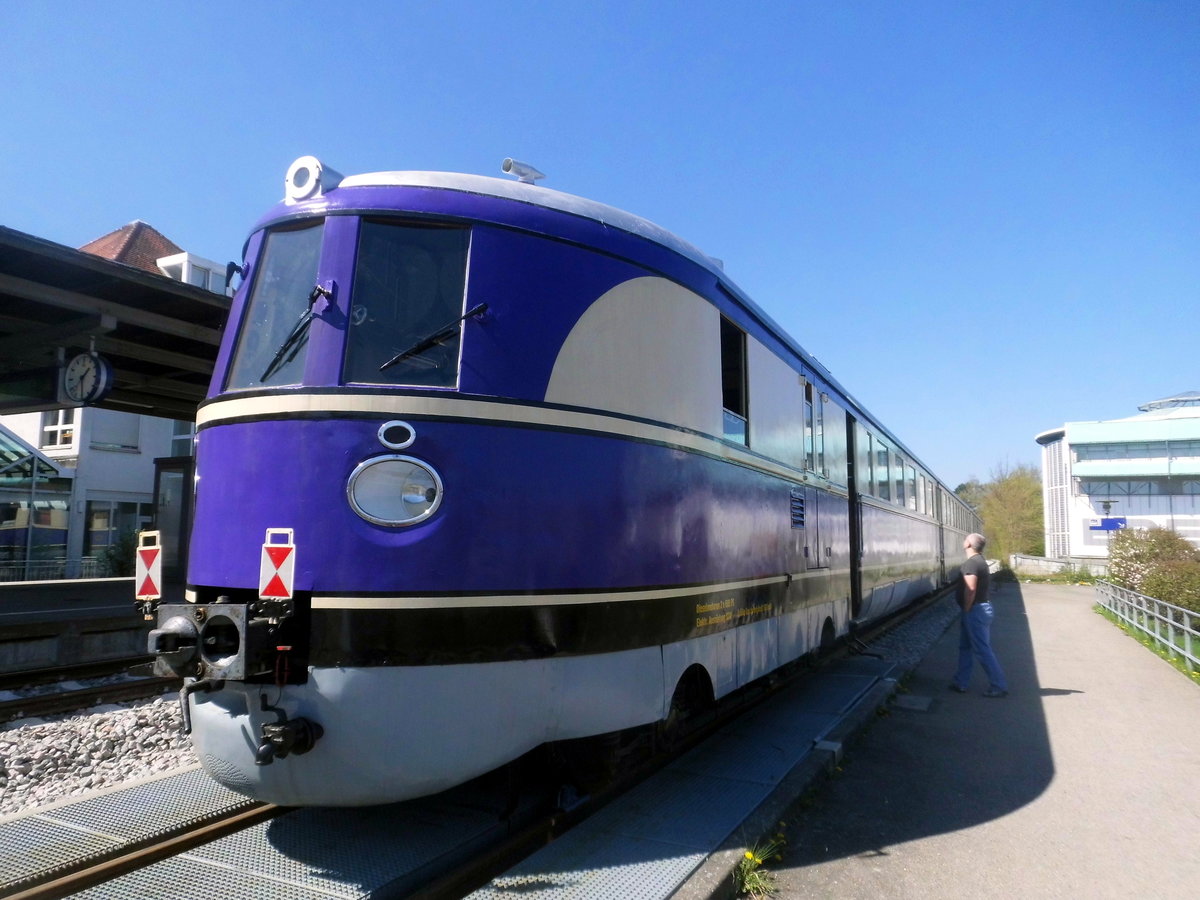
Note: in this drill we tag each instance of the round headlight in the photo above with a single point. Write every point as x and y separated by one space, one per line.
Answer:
394 490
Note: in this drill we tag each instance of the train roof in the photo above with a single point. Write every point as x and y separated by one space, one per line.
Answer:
320 179
539 196
308 179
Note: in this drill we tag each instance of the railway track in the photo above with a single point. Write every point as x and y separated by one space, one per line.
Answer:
97 871
51 674
52 691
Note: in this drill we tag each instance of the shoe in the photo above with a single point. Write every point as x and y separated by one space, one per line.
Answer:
995 692
957 689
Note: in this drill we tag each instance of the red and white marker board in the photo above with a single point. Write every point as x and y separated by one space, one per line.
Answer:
148 571
277 571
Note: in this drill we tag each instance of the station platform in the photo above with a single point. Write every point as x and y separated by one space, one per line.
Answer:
684 828
1083 782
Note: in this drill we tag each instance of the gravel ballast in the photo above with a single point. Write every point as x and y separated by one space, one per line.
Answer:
46 760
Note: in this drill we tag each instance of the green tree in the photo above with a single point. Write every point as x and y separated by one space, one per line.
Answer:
971 493
1011 509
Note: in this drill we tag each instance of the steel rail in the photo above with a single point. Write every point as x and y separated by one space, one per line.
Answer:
92 873
69 701
49 674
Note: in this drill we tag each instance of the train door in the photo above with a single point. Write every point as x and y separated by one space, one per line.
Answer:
814 548
855 513
939 495
814 461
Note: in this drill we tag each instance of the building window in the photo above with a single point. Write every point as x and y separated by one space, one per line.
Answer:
733 383
115 430
1138 450
198 276
1143 487
58 428
183 436
110 521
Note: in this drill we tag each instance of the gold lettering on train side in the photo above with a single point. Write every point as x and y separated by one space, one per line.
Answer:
715 606
718 612
705 621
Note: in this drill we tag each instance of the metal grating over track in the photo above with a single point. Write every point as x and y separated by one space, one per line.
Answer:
312 854
59 838
646 844
642 847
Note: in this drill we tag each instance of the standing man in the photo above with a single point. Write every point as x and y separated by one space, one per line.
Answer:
976 622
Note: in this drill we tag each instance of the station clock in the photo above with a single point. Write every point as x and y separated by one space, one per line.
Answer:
86 378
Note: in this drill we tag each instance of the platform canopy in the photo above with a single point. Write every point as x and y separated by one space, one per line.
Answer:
160 335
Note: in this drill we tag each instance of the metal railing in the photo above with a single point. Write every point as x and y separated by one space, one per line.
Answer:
1174 627
51 569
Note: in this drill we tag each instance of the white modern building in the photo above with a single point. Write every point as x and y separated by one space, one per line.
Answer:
1139 472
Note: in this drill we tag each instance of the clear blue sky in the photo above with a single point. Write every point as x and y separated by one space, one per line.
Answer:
984 218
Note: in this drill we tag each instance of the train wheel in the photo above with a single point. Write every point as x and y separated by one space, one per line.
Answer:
692 699
828 640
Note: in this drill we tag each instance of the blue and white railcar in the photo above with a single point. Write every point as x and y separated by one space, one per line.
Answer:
484 466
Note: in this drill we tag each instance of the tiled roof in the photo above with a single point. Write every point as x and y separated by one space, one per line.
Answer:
137 244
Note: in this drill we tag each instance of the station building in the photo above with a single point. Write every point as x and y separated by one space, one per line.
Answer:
76 481
1138 472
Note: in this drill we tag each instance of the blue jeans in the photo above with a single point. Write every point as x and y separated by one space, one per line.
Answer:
974 641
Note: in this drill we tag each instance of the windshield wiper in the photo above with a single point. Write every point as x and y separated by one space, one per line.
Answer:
447 331
296 338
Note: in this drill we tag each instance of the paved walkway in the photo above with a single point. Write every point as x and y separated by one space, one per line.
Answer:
1084 782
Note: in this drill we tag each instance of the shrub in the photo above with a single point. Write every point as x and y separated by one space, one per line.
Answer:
1134 554
119 558
1174 581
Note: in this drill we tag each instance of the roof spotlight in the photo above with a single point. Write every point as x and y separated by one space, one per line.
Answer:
308 177
526 174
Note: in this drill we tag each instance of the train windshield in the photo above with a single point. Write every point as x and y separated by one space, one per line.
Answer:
273 342
407 304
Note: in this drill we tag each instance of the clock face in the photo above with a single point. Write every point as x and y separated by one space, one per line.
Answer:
86 378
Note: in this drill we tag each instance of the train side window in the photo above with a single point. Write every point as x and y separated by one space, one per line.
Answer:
910 481
835 436
898 472
819 433
809 462
883 478
921 495
865 474
409 287
733 383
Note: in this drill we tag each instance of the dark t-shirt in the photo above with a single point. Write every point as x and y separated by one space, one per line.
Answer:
976 565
